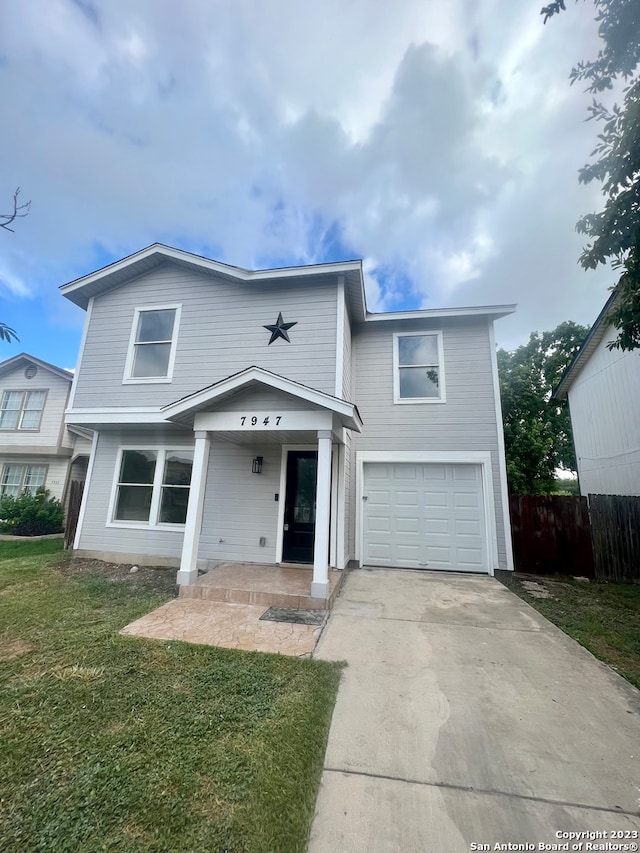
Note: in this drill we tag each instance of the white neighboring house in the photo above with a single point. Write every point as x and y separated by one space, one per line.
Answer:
36 448
268 416
603 389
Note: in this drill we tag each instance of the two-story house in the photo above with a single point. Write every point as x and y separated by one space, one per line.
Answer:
36 448
267 416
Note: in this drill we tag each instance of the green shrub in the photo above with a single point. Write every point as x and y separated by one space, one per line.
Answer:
31 514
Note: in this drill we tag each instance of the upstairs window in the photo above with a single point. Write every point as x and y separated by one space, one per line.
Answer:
152 486
22 409
418 368
152 346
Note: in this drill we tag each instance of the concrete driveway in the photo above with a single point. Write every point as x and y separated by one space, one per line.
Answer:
465 720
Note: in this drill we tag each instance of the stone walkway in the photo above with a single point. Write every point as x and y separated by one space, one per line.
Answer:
230 626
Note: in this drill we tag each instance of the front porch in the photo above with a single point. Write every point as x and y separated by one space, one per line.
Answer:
263 585
252 607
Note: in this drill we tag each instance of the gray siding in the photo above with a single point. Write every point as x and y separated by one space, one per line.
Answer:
605 415
467 421
51 431
221 332
240 507
95 536
253 399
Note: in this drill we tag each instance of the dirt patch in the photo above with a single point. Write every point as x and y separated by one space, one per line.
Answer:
12 649
155 579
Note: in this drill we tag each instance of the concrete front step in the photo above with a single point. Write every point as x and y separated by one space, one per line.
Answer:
262 586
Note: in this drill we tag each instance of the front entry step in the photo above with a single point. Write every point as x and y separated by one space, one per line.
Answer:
263 585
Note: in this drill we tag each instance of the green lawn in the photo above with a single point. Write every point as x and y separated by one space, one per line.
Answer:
122 744
603 617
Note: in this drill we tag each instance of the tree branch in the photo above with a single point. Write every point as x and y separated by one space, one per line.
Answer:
19 211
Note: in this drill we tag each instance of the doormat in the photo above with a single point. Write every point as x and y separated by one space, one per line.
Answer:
297 617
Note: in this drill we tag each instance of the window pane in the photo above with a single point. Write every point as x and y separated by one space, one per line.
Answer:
419 382
11 405
138 466
35 477
134 503
11 479
173 506
151 360
35 400
9 419
418 349
155 325
177 468
30 420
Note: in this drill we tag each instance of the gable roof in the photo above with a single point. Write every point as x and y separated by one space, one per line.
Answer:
185 408
589 345
81 290
24 359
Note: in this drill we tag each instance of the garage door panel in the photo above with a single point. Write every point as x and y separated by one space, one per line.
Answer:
407 525
378 524
406 498
438 523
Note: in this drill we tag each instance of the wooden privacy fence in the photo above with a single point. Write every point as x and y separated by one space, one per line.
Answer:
615 532
595 537
73 511
551 533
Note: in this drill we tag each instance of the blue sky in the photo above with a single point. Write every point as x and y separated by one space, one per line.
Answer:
439 141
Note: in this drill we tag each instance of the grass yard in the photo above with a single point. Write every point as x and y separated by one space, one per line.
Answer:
122 744
602 617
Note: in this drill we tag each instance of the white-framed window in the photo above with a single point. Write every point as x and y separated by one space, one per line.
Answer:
152 344
418 368
17 479
22 409
151 487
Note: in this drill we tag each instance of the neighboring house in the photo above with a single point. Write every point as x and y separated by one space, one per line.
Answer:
603 389
269 417
36 448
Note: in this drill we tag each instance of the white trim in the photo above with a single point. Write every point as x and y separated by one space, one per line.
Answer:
502 458
333 503
340 451
453 457
188 572
156 486
83 342
85 491
321 540
437 313
280 383
213 266
340 337
125 415
127 378
403 401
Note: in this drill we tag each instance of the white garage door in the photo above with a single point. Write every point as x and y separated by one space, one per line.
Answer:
424 516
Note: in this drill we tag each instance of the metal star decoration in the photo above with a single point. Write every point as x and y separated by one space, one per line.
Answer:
279 330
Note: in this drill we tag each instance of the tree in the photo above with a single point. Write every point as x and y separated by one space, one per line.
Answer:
19 211
537 428
614 233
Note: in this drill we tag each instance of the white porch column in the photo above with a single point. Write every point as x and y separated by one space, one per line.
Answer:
188 572
320 584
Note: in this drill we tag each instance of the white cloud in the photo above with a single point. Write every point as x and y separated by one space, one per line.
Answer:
440 141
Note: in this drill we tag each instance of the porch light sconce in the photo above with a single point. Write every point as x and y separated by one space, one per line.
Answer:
256 465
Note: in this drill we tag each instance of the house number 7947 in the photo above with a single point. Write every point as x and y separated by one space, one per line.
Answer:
252 420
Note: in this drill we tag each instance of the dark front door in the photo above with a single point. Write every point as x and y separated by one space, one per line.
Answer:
300 507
